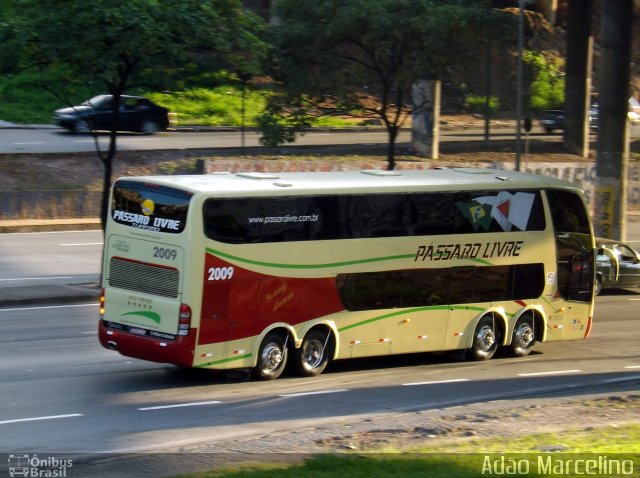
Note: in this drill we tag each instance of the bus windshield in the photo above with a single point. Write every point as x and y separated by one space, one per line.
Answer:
150 206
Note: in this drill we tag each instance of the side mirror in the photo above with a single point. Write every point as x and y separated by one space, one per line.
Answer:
614 271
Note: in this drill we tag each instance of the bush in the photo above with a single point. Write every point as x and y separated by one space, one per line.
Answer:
478 104
547 86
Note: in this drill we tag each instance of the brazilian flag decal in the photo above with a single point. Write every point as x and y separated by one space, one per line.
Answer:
479 215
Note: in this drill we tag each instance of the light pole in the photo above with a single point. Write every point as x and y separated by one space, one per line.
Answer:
521 4
244 78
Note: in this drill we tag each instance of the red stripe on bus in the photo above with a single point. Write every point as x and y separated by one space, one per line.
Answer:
245 303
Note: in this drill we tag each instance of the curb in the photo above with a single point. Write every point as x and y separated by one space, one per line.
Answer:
49 294
44 225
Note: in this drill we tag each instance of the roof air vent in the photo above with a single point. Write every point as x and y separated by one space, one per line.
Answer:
380 172
257 175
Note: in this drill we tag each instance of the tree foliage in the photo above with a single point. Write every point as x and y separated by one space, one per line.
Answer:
547 87
362 56
119 46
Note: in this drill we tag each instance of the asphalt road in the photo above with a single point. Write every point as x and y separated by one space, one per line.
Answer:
63 393
52 258
73 257
50 140
55 140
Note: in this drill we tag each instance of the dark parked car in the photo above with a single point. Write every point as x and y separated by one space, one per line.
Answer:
135 114
618 265
553 119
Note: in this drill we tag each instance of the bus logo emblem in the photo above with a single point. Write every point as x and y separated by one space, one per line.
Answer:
148 206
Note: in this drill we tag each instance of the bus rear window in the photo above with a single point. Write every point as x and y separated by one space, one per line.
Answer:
149 206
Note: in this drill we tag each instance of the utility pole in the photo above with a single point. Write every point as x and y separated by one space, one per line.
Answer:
612 151
577 90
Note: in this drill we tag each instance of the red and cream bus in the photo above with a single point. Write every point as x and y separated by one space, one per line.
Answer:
257 270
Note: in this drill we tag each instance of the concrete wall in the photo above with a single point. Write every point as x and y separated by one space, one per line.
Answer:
86 204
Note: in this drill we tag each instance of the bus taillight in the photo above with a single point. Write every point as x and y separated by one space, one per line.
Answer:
184 322
102 303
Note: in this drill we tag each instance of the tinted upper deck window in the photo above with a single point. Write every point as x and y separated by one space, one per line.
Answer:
316 218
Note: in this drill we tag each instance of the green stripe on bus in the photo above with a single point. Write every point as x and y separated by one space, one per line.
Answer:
481 261
224 360
321 266
147 314
307 266
409 311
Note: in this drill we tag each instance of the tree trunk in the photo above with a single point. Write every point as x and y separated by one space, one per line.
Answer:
391 146
107 178
577 90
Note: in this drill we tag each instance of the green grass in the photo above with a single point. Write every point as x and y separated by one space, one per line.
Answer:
219 106
26 104
605 440
464 459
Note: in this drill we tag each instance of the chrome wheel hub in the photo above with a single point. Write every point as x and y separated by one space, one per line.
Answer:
271 357
485 338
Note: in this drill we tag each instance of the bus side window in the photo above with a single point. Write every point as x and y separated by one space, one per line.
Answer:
568 212
574 254
431 214
581 277
378 215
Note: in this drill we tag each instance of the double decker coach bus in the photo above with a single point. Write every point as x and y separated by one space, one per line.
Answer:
257 270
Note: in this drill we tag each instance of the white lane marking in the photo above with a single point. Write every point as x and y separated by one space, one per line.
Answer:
89 231
31 142
321 392
436 382
82 244
36 278
50 307
35 419
179 405
632 366
555 372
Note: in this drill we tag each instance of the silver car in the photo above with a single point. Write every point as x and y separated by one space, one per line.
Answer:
618 265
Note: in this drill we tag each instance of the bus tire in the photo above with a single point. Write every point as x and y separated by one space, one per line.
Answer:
524 337
485 339
272 357
313 355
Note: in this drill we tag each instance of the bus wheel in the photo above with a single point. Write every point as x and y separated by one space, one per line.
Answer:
272 358
313 356
524 337
485 340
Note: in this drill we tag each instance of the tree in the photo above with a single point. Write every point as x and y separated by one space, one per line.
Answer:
362 56
120 46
